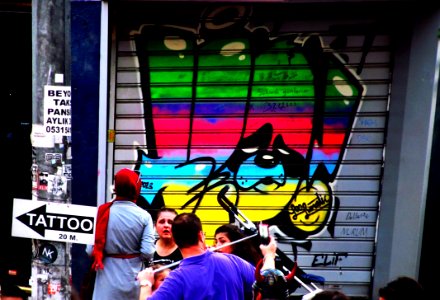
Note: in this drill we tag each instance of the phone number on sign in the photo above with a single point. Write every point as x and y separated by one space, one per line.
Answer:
56 129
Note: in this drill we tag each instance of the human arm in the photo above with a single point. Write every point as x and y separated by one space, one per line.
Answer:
146 281
171 288
269 254
147 241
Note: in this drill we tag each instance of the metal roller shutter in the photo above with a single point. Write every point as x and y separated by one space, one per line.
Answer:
285 118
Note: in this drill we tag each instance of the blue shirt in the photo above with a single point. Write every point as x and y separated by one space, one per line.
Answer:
211 275
130 230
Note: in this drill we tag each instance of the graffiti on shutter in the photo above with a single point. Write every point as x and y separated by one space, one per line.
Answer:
289 126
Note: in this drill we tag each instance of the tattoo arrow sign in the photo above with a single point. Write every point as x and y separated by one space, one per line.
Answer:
54 221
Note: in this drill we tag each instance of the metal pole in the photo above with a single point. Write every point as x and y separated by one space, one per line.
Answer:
50 152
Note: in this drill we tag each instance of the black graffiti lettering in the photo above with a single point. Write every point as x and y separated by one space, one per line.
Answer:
328 259
318 203
147 185
275 106
355 232
355 215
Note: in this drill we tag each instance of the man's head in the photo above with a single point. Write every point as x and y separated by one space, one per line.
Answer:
187 229
330 295
402 288
127 184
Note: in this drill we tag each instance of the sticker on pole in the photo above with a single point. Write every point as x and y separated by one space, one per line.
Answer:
53 221
57 119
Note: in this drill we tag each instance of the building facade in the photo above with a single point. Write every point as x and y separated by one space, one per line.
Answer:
316 118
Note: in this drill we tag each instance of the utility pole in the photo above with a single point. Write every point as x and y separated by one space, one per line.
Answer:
51 139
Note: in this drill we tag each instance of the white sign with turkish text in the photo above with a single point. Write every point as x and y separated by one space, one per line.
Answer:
57 119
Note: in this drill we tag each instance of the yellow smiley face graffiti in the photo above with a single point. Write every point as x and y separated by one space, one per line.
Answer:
308 212
311 208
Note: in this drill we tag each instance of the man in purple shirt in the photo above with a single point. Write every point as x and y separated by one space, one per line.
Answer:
202 274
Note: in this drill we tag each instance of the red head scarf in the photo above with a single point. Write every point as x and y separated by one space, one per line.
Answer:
127 188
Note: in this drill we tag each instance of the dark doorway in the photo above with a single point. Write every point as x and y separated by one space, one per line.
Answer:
15 144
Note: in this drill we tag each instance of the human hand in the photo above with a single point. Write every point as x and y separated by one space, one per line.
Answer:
269 253
211 248
146 274
270 248
146 283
